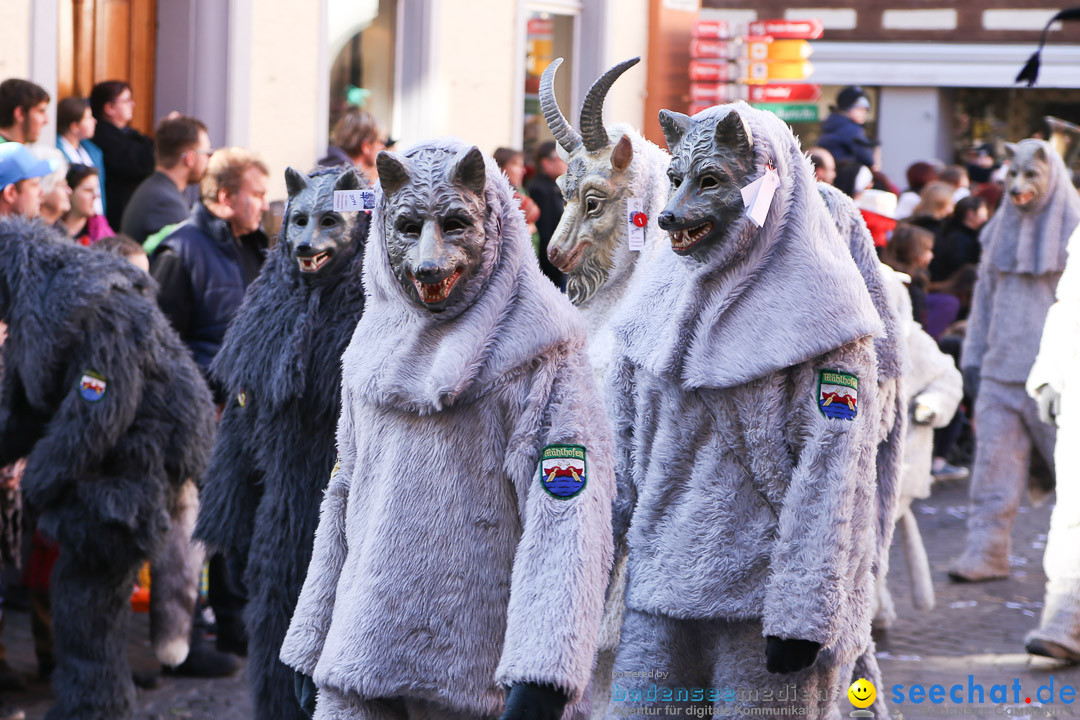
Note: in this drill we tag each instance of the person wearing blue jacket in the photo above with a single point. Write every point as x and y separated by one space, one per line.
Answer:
843 134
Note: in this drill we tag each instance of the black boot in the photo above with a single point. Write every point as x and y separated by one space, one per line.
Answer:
205 661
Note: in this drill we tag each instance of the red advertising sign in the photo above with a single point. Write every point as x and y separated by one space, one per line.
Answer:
711 72
713 93
788 29
699 105
717 49
784 92
711 29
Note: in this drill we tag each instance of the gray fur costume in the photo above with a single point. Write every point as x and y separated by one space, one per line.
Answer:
892 360
443 571
748 511
1023 257
273 455
109 409
605 173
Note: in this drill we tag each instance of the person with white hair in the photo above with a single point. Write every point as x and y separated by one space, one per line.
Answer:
56 198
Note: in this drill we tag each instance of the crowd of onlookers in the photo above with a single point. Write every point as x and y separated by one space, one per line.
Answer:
929 231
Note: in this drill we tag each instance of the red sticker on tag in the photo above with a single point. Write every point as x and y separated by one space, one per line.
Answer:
641 219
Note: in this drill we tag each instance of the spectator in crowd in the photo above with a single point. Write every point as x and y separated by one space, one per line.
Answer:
357 140
992 193
181 153
203 269
919 175
127 248
878 209
20 180
512 162
56 195
548 197
935 206
957 177
910 251
981 163
24 111
82 223
959 244
75 127
824 165
128 154
842 133
852 178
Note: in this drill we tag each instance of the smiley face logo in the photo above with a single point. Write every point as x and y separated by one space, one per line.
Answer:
862 693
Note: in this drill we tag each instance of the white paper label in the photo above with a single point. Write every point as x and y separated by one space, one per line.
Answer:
758 195
635 210
354 200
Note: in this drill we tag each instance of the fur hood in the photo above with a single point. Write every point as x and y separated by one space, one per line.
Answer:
1035 242
420 361
702 314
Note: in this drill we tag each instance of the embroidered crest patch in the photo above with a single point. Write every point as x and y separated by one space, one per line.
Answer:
838 395
562 470
92 386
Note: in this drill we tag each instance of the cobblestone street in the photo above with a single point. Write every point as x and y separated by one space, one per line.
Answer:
975 629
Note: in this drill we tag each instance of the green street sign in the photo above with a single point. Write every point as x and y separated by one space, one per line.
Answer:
792 112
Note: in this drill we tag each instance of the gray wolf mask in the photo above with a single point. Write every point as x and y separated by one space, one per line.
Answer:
316 234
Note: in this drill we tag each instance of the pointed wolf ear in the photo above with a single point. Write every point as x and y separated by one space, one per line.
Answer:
295 181
393 171
622 154
675 125
732 132
469 171
349 180
1041 154
1010 151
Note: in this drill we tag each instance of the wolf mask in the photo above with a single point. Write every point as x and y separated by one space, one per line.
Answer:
317 235
435 225
711 162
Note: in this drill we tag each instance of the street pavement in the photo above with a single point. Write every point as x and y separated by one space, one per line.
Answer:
975 630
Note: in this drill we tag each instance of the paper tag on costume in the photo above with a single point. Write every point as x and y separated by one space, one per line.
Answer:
758 195
838 394
562 470
337 468
92 386
636 220
354 200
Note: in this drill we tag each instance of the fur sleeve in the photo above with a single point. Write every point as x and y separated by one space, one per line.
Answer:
982 307
103 386
564 555
621 402
826 536
231 490
310 623
1059 349
941 386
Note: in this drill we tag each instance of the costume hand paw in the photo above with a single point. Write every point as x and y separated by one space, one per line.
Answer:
1049 401
972 375
529 701
923 414
789 655
304 687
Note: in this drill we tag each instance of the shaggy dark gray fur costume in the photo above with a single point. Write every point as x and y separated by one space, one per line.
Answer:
274 453
105 458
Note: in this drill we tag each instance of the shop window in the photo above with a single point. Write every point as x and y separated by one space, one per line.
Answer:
548 36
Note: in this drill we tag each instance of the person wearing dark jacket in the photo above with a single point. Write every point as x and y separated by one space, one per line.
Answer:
842 133
128 154
959 244
181 152
546 194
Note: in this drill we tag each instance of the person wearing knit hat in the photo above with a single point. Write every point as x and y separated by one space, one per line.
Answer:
843 134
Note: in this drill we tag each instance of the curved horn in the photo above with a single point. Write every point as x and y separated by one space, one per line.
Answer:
593 132
560 127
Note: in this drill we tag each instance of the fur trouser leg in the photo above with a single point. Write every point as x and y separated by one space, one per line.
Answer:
867 667
90 607
270 680
608 641
727 658
1008 427
333 705
1061 606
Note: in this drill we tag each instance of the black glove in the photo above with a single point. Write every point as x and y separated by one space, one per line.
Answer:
972 376
304 687
529 701
788 656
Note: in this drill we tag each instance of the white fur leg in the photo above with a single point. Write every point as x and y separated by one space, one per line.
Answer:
918 564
